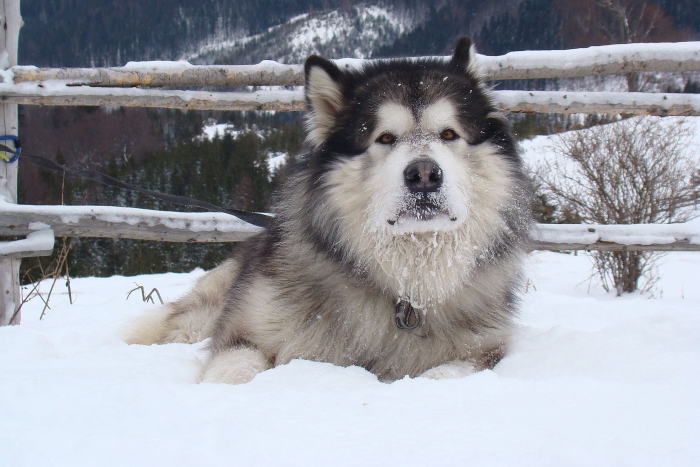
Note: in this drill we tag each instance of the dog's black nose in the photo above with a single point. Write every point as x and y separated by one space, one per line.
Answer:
423 176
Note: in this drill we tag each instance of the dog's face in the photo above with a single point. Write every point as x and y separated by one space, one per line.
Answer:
419 160
408 146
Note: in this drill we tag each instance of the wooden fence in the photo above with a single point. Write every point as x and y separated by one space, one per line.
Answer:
142 84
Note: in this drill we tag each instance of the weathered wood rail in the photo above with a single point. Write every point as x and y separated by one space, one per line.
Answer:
144 224
609 59
139 84
633 103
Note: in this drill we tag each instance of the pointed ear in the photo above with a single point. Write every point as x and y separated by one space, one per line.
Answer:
464 56
324 96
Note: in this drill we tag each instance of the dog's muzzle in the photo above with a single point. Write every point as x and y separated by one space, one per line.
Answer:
423 199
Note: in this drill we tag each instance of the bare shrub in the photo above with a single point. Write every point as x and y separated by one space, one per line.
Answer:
636 171
33 276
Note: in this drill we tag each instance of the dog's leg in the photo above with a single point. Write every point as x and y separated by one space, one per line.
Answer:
149 328
485 359
450 370
234 366
189 319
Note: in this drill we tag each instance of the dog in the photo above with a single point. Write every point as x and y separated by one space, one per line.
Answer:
398 240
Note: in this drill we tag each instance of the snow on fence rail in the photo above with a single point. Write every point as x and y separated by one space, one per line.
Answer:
633 237
117 222
144 224
39 242
128 86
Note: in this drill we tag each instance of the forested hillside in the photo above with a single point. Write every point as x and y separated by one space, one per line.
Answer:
229 170
112 32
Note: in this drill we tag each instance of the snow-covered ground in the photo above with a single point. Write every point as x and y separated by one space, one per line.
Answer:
590 380
540 149
320 32
214 130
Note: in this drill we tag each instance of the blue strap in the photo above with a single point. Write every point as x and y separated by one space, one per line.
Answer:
15 153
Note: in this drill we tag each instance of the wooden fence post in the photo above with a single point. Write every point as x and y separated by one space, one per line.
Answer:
11 21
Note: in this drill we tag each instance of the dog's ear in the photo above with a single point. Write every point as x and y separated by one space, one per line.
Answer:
324 95
464 55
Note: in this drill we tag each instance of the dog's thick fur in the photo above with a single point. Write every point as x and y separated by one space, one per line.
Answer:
410 188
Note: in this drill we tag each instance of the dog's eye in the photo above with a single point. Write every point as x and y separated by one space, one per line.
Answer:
386 138
448 135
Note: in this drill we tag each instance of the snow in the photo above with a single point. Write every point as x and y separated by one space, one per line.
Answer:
640 234
590 380
177 65
316 33
211 131
7 74
41 240
275 160
540 149
597 56
37 226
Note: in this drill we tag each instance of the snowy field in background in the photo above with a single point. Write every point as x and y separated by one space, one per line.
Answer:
590 380
539 149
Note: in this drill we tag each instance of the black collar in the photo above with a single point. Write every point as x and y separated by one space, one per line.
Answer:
406 316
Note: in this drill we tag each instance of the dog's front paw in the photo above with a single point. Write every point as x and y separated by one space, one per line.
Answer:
451 370
235 366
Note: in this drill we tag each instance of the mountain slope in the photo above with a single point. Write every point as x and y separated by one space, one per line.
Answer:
113 32
354 32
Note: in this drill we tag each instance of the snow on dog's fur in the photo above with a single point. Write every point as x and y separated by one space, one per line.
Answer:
410 190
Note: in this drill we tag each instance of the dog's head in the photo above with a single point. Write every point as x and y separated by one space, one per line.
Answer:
411 145
411 177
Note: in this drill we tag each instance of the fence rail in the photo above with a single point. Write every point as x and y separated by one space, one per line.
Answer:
609 59
633 237
636 103
144 224
116 222
139 84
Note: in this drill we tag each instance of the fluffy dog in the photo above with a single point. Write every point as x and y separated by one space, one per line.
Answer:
398 239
